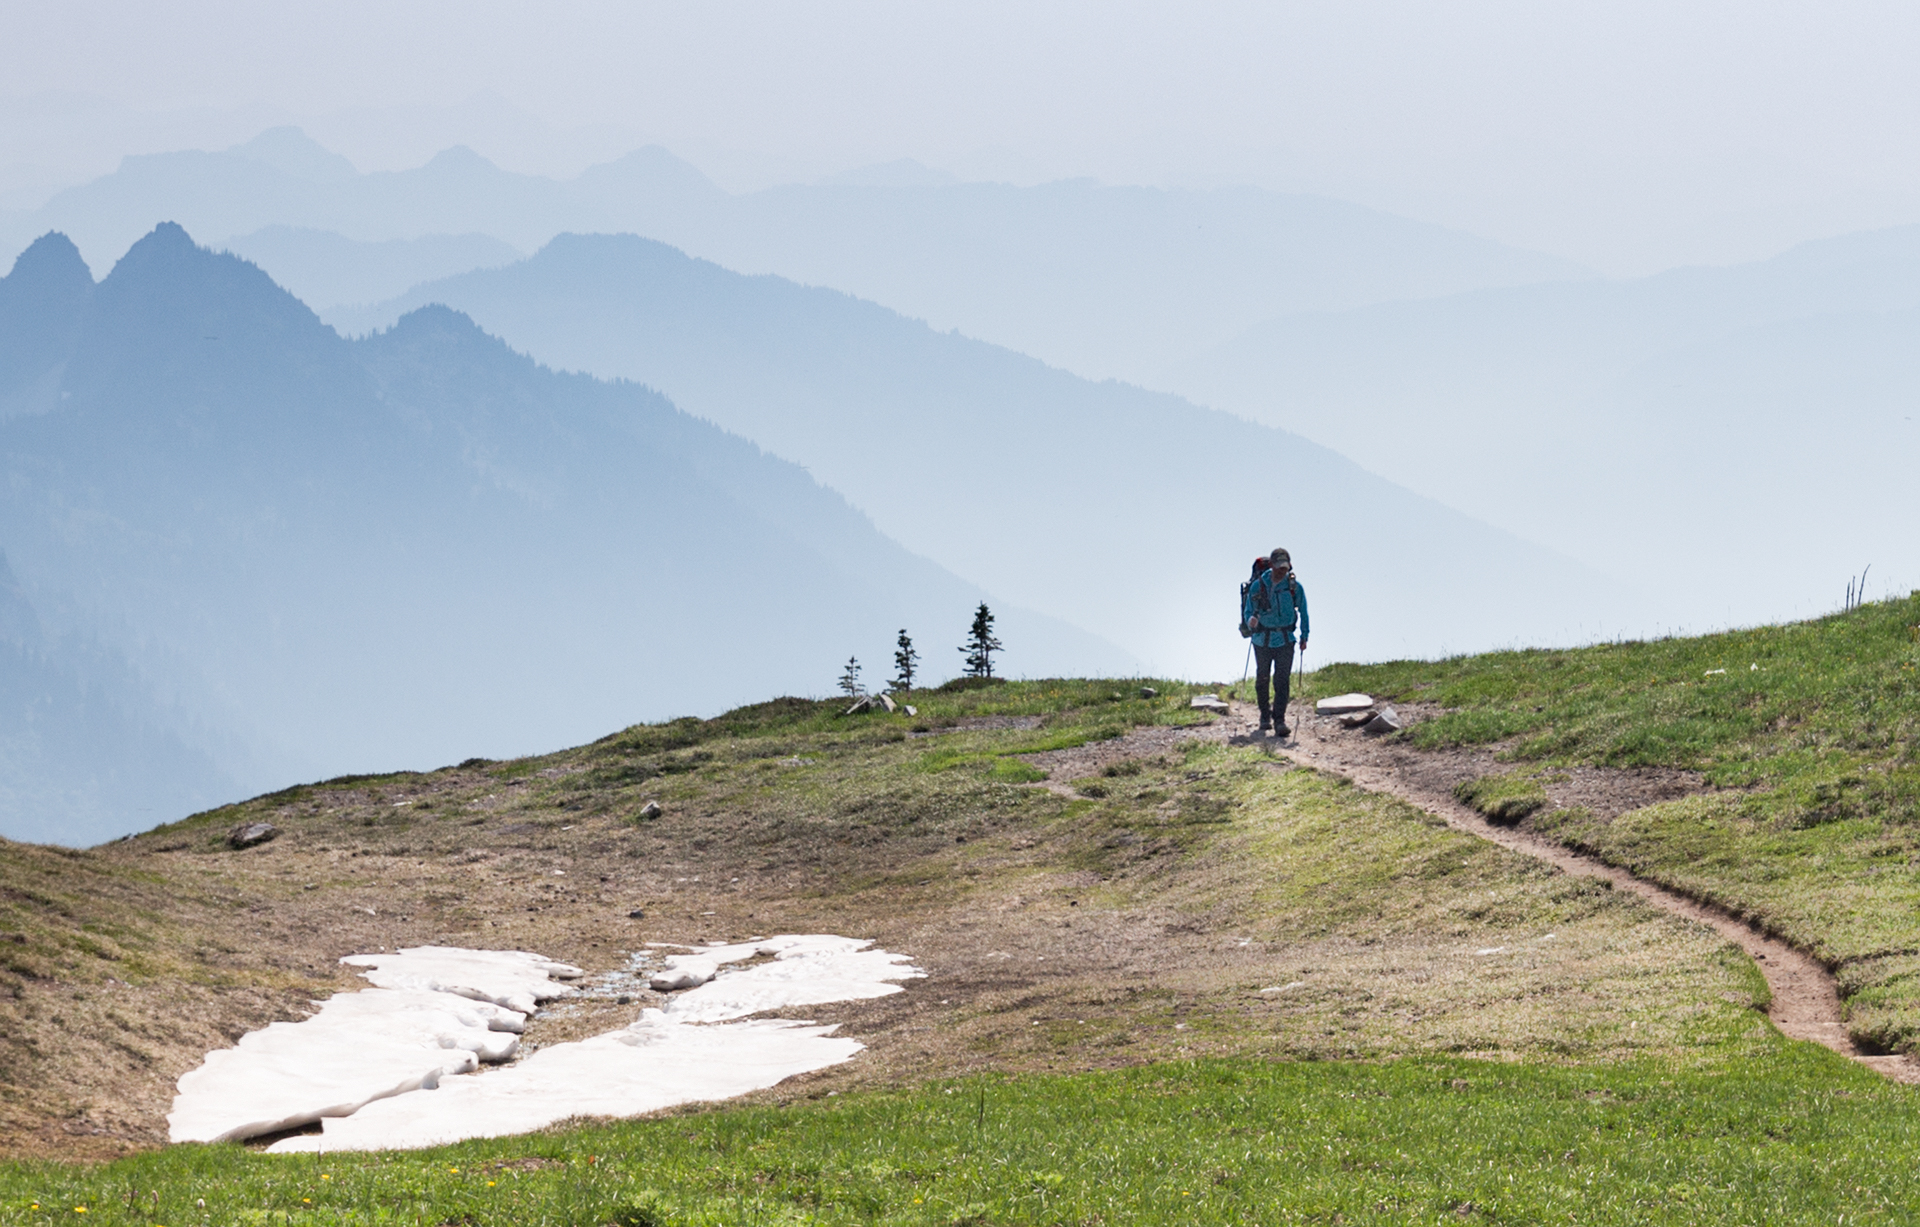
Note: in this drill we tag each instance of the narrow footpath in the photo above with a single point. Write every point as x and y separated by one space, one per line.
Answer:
1806 1002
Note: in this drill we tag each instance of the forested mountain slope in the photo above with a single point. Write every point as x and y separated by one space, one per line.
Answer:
1129 512
420 546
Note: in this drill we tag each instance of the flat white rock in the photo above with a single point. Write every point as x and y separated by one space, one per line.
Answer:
1208 702
358 1048
512 978
1341 704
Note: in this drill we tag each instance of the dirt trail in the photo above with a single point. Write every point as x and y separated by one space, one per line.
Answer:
1806 1003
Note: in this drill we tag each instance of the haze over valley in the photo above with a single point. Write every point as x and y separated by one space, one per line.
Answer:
412 431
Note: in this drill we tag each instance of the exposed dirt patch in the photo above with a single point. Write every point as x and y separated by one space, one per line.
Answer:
1079 762
972 724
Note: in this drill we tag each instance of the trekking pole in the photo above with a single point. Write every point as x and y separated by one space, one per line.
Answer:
1249 666
1300 657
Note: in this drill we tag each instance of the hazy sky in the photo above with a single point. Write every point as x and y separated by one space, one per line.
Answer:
1626 133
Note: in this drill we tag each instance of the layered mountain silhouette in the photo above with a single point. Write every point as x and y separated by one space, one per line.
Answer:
404 550
1742 439
1103 280
321 268
1128 512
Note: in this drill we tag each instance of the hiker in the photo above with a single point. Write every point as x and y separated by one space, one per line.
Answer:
1274 606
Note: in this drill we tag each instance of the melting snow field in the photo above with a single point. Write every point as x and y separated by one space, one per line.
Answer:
382 1068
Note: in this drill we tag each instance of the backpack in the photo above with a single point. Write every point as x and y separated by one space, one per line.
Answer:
1260 565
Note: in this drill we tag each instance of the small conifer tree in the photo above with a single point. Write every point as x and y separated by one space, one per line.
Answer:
850 679
904 658
980 645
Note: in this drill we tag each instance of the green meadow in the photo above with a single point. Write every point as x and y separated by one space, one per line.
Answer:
1791 1134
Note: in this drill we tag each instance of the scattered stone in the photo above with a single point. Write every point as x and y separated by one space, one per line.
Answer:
637 914
676 978
1148 692
247 834
1357 719
1341 704
1208 702
911 710
886 700
1386 720
650 811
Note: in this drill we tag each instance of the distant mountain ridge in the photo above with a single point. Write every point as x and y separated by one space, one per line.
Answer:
1695 428
323 269
1129 512
1106 281
419 546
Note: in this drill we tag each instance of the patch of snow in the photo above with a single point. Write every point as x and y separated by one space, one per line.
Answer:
807 969
358 1048
656 1063
437 1012
512 978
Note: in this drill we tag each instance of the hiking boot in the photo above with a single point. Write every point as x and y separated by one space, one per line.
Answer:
1283 731
1266 722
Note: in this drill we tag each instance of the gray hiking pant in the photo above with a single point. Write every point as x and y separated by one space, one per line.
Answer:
1265 660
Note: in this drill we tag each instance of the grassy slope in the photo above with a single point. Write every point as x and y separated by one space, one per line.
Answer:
1808 733
1619 1064
1799 1137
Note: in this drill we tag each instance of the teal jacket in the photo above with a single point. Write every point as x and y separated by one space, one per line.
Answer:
1279 607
